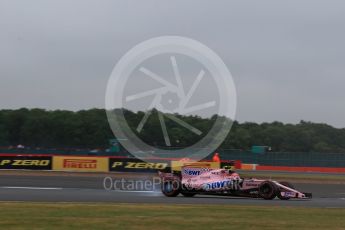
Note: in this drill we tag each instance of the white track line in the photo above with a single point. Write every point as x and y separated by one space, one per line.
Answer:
133 191
33 188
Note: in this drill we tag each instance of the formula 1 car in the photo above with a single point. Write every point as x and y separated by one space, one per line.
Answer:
225 182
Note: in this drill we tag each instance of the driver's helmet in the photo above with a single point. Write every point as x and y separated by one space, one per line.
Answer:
230 168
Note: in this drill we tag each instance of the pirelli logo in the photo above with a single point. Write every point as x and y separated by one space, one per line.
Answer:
79 164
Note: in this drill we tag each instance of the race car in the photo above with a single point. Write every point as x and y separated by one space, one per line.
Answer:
225 182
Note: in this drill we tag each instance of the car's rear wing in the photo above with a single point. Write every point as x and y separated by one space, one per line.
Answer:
176 166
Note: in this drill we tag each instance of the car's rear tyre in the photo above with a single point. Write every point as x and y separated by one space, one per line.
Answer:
171 188
188 194
287 184
268 190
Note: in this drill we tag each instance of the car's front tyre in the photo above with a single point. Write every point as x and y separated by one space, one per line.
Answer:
268 190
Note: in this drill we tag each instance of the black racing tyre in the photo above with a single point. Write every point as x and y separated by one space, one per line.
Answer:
171 188
268 190
188 194
287 184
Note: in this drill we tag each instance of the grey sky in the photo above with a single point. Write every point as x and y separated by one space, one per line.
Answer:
287 57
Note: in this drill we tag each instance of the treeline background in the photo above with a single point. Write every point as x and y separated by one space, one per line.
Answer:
90 129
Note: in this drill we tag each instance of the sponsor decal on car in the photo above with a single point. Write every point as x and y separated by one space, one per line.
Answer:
223 184
251 184
191 172
194 171
205 177
218 185
289 194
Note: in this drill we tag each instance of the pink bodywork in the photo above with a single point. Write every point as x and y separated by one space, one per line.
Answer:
204 178
223 179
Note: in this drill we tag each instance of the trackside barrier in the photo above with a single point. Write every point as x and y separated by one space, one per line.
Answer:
248 166
98 164
300 169
120 164
256 167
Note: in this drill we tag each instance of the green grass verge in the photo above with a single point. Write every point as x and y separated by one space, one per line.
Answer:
132 216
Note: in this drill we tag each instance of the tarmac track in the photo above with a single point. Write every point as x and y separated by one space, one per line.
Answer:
68 187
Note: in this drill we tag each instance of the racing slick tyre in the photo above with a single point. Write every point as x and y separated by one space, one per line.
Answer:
188 194
268 190
171 188
287 184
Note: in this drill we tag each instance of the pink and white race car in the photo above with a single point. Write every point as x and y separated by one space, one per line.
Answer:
225 182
